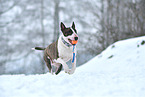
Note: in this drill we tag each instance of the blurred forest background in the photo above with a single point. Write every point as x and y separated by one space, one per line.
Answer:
25 24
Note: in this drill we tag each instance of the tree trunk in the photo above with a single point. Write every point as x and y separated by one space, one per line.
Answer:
56 20
43 33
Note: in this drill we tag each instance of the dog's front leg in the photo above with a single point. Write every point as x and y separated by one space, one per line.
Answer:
73 67
65 66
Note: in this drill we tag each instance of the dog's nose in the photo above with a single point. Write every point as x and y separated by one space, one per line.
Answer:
76 38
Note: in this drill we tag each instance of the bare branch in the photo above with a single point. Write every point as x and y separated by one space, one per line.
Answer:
2 12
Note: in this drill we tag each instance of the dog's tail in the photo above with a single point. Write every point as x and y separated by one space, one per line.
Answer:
38 48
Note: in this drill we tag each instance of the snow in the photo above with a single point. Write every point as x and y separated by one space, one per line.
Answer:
119 71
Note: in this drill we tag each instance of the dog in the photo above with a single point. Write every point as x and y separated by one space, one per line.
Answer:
61 51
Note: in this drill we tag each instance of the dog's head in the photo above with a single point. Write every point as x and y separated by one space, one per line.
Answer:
69 34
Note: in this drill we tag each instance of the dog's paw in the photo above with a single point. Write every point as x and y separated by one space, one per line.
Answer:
67 70
71 71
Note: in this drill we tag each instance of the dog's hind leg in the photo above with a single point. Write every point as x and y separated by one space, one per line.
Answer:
58 69
48 63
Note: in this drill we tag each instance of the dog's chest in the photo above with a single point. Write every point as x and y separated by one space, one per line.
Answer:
64 52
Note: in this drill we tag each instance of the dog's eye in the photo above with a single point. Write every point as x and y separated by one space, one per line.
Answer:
69 32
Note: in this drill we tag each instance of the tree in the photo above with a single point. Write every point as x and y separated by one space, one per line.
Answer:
56 20
43 33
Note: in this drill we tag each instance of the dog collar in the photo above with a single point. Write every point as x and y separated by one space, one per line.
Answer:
66 43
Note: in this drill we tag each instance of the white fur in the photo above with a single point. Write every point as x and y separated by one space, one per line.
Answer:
64 51
54 63
65 54
33 48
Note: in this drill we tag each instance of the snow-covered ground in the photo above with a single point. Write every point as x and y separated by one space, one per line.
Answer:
119 71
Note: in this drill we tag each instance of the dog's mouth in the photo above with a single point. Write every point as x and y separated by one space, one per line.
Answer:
73 42
70 41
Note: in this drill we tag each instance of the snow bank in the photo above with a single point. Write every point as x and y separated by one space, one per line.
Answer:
119 71
124 57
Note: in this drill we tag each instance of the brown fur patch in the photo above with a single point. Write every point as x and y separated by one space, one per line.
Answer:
52 52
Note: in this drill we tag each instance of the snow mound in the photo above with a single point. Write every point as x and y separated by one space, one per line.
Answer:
124 57
119 71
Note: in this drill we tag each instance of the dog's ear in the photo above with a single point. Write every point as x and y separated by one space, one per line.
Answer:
73 25
62 26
